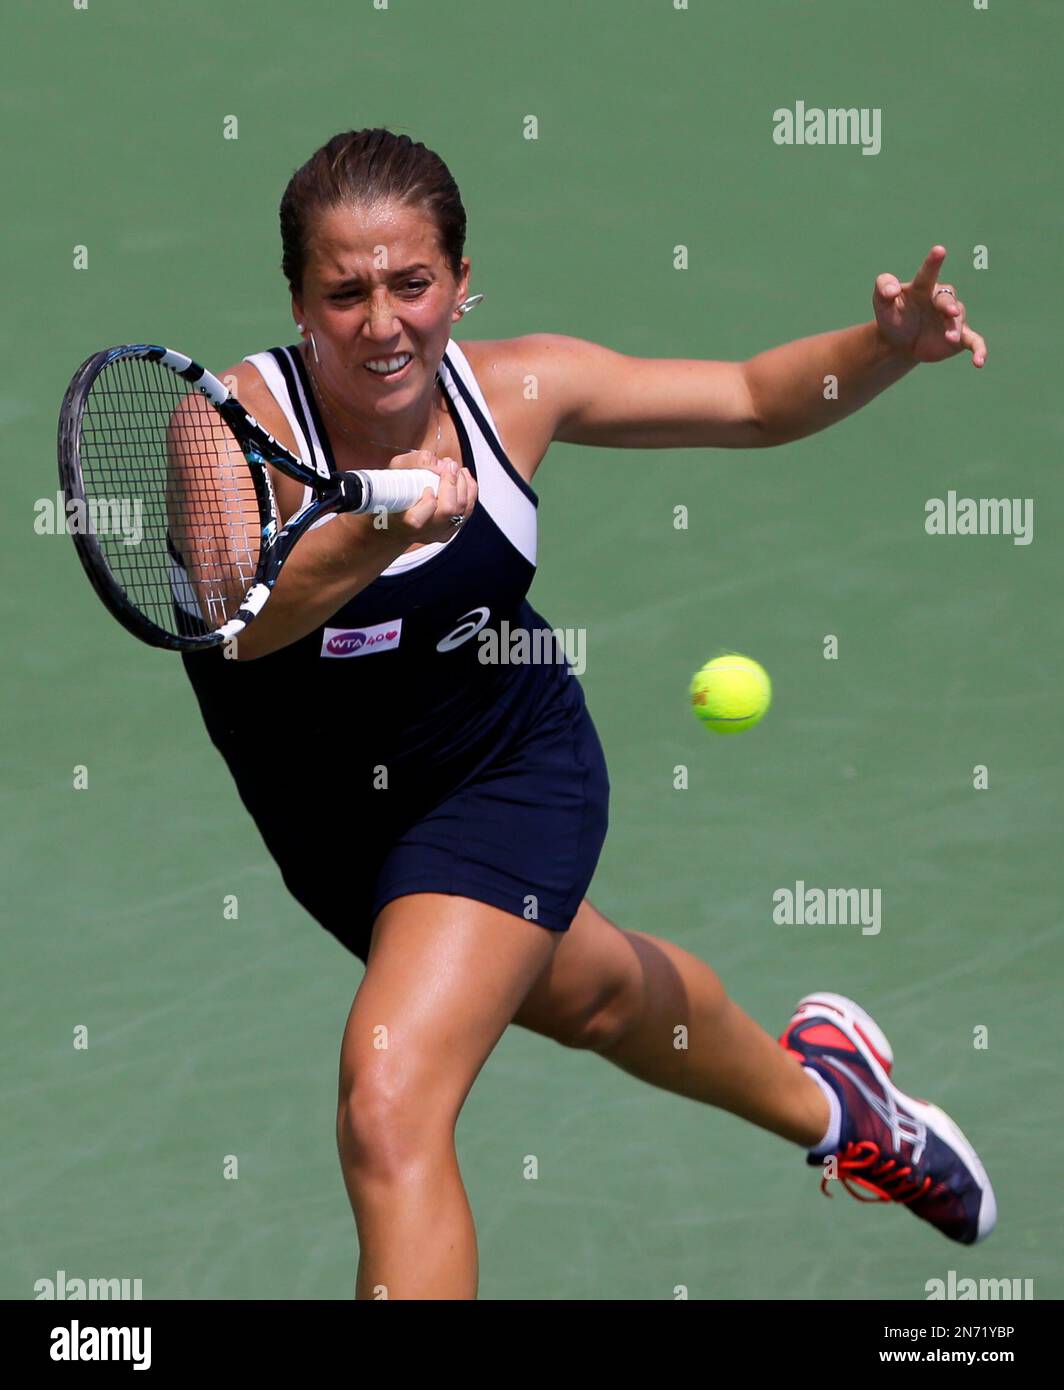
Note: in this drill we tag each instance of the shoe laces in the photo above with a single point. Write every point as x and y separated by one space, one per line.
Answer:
866 1166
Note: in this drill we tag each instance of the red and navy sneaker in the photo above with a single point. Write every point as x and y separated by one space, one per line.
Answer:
890 1145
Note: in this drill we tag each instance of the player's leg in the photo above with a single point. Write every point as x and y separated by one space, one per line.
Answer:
625 995
443 979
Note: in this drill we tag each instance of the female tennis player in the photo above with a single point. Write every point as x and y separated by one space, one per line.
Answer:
459 850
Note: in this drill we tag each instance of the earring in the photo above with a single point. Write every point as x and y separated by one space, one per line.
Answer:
470 303
300 327
314 350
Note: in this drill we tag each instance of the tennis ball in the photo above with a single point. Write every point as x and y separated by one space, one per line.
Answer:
730 693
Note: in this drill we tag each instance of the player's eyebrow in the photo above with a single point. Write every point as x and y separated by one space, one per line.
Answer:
393 274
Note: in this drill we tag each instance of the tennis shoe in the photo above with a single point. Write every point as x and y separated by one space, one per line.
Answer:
892 1146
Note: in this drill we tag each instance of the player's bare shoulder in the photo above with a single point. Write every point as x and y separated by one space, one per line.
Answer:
517 377
247 385
522 363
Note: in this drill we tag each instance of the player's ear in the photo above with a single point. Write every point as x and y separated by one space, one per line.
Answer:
297 312
462 288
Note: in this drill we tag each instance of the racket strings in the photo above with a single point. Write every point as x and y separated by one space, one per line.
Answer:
169 497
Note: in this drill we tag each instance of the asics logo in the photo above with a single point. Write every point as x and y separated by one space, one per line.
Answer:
905 1129
469 624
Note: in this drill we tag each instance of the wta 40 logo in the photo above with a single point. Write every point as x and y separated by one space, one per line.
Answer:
343 642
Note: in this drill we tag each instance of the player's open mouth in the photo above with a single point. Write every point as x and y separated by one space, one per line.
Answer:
389 368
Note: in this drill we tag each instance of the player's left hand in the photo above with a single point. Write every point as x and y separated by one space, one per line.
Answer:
924 317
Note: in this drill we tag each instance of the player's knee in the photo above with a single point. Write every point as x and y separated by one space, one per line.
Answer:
606 1022
387 1130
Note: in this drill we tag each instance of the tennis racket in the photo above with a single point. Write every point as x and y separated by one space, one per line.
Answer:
169 499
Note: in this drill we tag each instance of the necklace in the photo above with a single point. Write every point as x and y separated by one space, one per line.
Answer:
350 433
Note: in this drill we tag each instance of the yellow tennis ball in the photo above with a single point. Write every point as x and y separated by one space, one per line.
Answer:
730 693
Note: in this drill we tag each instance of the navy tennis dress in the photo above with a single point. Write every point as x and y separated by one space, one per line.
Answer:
380 755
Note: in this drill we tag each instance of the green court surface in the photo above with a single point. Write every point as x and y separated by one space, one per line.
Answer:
210 1037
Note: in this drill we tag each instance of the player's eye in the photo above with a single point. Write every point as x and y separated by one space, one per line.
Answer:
414 287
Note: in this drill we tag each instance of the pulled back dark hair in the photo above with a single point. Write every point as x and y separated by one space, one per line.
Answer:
366 166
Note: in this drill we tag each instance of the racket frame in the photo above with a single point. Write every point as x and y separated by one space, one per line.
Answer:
334 492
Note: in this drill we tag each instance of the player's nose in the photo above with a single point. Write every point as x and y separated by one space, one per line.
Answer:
381 317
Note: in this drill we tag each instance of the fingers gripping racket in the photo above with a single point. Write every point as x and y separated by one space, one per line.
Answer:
169 499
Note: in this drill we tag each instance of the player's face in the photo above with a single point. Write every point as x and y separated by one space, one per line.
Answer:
376 286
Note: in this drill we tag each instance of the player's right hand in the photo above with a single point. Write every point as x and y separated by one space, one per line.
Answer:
429 519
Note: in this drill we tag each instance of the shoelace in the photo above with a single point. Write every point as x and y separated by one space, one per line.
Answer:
863 1163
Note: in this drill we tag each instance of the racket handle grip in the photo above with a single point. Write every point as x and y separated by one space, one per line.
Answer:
394 489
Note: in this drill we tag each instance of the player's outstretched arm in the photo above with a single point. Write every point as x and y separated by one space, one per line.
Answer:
601 397
805 386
